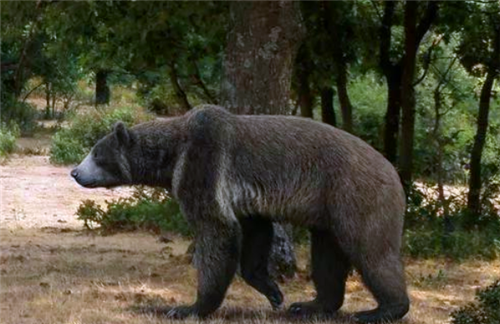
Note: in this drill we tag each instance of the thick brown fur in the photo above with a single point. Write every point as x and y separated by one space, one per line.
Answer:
234 175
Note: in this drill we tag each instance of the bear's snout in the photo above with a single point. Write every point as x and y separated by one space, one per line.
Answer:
74 173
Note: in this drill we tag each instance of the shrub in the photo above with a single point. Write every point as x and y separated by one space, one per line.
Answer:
8 135
457 245
20 113
70 145
484 310
460 236
147 209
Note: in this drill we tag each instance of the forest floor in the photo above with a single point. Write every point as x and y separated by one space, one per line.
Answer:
53 271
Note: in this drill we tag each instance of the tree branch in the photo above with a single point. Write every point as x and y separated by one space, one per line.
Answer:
428 57
426 22
28 94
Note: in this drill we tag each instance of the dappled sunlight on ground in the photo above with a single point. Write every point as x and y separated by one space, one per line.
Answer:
68 276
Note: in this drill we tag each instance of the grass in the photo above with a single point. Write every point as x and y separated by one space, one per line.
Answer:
67 276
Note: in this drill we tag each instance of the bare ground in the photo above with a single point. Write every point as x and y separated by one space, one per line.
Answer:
36 194
51 271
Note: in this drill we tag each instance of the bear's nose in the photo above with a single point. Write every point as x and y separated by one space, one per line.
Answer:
74 173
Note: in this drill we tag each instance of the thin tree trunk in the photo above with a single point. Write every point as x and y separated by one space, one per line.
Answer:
259 57
327 111
198 81
439 143
179 92
102 91
47 100
392 116
53 106
413 37
474 195
345 102
330 20
408 95
392 73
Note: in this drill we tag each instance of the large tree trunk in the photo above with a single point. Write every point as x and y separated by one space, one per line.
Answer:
260 52
259 57
327 111
102 92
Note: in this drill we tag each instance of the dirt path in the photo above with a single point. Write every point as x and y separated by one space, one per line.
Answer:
34 193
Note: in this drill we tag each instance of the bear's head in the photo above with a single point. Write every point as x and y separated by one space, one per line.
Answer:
107 164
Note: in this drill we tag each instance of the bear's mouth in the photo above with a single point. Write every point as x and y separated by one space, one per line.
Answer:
90 184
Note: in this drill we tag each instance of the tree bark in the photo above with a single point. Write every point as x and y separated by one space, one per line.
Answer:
102 91
474 195
259 57
327 111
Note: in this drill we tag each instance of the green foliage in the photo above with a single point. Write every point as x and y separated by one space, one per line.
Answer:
457 245
8 135
460 236
70 145
147 209
19 113
484 310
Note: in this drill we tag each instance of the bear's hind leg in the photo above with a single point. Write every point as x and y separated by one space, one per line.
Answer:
257 239
384 277
330 268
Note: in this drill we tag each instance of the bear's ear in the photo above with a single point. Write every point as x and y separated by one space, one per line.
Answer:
122 134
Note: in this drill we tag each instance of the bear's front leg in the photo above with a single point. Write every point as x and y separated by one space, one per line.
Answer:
218 244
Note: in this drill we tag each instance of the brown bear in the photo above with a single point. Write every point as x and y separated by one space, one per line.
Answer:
234 175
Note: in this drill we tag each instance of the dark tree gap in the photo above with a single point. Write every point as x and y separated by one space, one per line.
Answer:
327 109
102 91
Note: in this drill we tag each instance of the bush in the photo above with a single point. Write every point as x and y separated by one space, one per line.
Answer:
147 209
485 309
70 145
429 234
19 113
8 135
457 245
